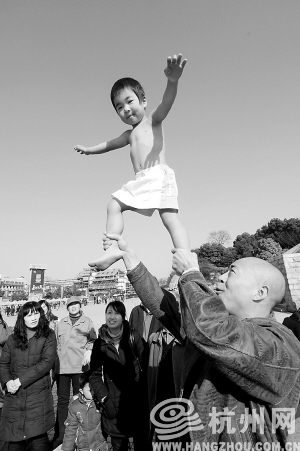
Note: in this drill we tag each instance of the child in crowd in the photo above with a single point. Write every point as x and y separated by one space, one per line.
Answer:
155 186
83 424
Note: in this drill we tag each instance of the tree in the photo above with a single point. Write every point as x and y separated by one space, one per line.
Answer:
245 245
68 292
286 232
19 296
216 254
268 248
220 237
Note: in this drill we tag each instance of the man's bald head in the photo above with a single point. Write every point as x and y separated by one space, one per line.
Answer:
268 275
252 287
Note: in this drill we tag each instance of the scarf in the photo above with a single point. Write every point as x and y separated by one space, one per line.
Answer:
75 318
110 338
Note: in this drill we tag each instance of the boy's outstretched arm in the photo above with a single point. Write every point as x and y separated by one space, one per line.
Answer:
173 72
117 143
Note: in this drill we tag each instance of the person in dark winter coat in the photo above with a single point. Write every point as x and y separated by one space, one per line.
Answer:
83 422
293 323
118 379
25 363
143 321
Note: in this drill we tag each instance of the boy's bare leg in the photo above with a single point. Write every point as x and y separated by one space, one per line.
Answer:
178 234
114 224
175 228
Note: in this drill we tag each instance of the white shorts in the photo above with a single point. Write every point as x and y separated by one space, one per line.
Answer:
153 189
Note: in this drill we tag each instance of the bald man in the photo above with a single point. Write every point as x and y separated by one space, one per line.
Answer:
241 368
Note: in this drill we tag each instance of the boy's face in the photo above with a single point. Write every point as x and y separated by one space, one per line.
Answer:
129 108
87 391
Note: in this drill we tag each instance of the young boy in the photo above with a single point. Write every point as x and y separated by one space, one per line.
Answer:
155 185
83 424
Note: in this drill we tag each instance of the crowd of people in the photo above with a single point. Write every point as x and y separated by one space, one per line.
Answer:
222 351
11 310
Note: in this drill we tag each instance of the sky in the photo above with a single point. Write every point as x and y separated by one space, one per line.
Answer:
232 136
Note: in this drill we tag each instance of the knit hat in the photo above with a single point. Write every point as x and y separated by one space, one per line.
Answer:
73 300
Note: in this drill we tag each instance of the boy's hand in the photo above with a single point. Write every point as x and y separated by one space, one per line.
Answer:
175 66
81 149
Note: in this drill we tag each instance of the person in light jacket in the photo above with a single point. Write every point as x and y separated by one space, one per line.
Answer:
75 336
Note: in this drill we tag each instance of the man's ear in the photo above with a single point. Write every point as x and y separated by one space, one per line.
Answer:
144 102
262 293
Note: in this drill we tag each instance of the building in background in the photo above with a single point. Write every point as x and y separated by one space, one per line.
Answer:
289 264
84 280
11 285
60 288
110 284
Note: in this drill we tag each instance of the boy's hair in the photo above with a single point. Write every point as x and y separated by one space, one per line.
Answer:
84 379
130 83
118 307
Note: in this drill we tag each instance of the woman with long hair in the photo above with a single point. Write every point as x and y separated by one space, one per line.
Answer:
25 363
118 379
53 319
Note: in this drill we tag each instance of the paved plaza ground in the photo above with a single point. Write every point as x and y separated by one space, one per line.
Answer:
97 313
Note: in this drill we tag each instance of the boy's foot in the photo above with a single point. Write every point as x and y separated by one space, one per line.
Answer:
110 256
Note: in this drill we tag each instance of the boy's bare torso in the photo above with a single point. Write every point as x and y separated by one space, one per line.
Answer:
146 142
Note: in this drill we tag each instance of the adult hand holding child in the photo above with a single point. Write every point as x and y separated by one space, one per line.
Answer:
184 260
